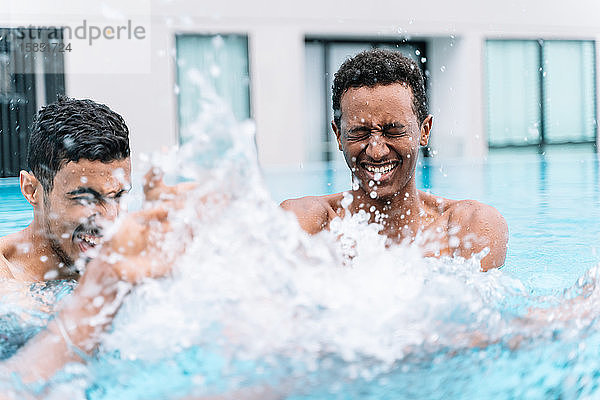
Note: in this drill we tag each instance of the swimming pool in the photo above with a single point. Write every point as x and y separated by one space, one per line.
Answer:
552 205
15 212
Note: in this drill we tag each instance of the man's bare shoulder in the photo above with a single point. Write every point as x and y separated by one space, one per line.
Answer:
437 204
314 212
481 225
474 212
464 213
7 248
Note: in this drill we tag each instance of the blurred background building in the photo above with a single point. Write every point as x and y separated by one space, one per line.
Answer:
518 75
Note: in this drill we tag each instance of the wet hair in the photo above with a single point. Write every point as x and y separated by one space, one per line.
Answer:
71 130
379 67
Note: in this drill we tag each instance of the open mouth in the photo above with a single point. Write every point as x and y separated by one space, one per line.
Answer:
381 171
87 240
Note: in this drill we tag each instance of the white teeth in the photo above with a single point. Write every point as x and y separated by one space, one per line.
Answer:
93 240
381 170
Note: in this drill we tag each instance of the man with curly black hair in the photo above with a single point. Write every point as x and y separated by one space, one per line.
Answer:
80 167
380 122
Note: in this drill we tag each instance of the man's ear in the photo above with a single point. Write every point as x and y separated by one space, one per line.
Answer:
31 188
338 134
426 130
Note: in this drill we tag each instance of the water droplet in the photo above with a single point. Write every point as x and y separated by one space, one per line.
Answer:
453 241
98 301
218 42
215 71
51 275
346 200
373 194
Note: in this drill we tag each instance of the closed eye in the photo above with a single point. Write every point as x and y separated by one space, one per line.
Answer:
358 133
85 200
394 129
85 196
120 194
394 132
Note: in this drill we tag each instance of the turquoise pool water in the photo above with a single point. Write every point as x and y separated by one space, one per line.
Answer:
552 205
15 212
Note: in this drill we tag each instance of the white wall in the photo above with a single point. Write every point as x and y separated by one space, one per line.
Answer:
276 31
277 74
456 96
146 100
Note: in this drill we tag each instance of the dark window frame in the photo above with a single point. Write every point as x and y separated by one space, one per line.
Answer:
19 105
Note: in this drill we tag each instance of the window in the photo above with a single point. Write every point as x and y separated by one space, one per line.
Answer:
323 57
540 92
28 80
211 67
569 91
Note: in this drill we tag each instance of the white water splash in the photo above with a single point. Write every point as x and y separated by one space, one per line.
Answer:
256 287
252 286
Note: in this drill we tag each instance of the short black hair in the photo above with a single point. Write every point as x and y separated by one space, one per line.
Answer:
71 130
379 67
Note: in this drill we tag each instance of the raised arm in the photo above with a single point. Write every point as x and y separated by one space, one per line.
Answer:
127 258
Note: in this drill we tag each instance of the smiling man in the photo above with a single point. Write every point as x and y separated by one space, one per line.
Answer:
380 122
79 168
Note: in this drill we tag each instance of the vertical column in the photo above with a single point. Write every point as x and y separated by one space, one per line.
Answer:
474 111
277 93
457 96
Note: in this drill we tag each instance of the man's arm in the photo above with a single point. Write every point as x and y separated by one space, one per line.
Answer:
75 331
4 269
311 213
5 246
479 226
131 255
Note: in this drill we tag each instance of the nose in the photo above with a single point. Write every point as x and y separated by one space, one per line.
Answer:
377 148
109 210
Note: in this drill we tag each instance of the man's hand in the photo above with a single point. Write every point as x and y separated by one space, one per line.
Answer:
155 188
134 252
140 248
